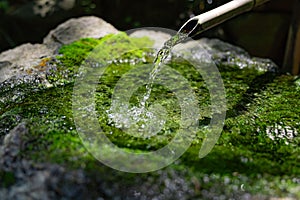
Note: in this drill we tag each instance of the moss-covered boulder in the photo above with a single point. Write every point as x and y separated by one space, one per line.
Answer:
256 157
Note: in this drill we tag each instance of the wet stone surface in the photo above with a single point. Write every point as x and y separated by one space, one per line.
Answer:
256 157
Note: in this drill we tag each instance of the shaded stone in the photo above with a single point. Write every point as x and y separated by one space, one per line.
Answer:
225 54
37 181
12 144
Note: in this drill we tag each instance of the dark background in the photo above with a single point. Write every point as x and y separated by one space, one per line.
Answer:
262 32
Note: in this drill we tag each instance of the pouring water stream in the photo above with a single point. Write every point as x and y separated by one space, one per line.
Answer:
128 118
161 56
145 120
194 26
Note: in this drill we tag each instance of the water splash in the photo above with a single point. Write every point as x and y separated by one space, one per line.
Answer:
137 121
145 120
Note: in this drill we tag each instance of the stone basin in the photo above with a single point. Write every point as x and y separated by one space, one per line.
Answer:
42 155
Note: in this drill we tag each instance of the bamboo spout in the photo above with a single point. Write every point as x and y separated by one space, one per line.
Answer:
207 20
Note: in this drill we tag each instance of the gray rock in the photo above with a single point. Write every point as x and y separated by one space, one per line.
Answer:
37 181
12 144
44 181
23 60
224 54
28 58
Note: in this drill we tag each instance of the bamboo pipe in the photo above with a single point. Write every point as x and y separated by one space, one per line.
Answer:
209 19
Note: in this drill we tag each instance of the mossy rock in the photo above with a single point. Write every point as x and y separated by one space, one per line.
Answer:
257 153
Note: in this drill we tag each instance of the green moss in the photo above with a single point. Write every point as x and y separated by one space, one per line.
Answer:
248 134
111 45
48 112
74 53
109 48
248 152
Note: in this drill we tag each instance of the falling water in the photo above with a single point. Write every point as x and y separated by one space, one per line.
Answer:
161 56
143 120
